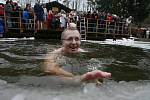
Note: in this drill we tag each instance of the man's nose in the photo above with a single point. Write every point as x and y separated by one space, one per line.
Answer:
73 41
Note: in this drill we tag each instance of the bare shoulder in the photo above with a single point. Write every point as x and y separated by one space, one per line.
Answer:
82 50
50 65
58 50
54 53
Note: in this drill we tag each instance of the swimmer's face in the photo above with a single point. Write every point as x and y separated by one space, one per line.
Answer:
71 41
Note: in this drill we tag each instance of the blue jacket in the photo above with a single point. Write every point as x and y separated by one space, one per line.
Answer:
1 26
25 14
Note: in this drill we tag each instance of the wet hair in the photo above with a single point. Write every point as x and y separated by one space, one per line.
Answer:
71 26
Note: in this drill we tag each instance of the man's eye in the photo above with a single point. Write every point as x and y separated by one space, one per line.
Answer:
77 39
69 39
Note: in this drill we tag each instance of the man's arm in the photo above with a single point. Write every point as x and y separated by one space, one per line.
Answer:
51 67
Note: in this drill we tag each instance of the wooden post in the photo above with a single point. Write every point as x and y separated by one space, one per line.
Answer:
87 25
5 21
34 25
96 25
20 22
106 29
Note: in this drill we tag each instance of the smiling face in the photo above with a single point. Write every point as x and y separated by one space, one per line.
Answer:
71 41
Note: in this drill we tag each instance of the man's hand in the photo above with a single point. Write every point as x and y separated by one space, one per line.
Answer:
95 75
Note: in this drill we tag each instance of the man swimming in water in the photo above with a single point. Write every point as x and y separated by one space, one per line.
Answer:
71 40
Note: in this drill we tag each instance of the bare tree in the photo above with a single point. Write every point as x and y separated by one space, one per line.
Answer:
66 2
74 4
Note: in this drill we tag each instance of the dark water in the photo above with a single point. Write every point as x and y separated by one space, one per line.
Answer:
21 77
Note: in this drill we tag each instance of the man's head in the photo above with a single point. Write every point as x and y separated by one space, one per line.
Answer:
71 39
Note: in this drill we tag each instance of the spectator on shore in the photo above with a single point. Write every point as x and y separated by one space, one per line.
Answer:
25 15
8 10
72 16
109 19
94 17
39 12
15 15
1 27
1 10
45 16
50 17
147 33
63 19
55 22
129 20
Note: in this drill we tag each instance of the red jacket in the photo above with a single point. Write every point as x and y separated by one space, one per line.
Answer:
109 18
50 16
1 10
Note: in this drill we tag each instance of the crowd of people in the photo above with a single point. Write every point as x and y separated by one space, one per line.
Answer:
42 18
